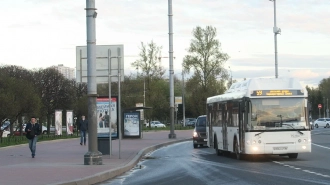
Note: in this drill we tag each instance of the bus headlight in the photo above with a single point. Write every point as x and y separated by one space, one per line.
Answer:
304 147
255 148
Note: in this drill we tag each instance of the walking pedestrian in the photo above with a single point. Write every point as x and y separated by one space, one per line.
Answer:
32 131
83 125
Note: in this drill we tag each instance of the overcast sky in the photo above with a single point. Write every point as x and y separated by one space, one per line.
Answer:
42 33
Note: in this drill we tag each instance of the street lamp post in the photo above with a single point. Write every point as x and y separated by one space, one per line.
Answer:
327 109
324 107
276 31
172 135
93 156
183 104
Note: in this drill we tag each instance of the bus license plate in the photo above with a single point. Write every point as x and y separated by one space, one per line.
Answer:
280 148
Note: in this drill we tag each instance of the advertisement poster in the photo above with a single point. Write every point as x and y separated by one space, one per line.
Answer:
132 124
69 122
58 122
104 119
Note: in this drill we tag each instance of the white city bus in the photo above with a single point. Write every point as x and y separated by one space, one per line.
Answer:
260 116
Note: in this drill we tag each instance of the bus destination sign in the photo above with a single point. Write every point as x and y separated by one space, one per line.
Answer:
277 93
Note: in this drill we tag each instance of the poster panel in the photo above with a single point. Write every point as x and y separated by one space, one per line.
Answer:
69 122
58 122
104 120
132 123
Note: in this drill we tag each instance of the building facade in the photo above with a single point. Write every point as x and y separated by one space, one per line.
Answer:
67 72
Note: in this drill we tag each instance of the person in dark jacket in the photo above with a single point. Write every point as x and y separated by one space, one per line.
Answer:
32 131
83 125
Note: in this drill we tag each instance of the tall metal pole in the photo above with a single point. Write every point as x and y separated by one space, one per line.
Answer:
276 31
144 91
119 99
170 15
110 101
324 107
93 156
327 109
183 104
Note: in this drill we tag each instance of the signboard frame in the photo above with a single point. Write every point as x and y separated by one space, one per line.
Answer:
105 54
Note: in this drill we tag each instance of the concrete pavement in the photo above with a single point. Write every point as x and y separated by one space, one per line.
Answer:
61 162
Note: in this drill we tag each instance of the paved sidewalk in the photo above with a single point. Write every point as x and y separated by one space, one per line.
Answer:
62 161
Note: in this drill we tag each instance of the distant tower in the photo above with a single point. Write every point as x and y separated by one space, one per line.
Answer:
67 72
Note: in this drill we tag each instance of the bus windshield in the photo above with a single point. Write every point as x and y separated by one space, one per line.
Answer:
277 113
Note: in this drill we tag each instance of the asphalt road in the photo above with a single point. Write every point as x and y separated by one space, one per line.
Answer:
182 164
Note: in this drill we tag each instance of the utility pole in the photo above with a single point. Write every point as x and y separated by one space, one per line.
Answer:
93 156
276 31
183 104
327 109
172 135
323 106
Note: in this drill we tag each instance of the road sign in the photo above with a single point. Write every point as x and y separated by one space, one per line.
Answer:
319 106
105 55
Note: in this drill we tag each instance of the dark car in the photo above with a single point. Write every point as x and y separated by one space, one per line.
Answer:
199 135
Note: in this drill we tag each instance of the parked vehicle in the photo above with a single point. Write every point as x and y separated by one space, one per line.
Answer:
17 131
5 133
190 122
156 124
322 122
5 124
199 135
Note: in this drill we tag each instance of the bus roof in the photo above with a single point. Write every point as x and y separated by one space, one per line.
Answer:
261 88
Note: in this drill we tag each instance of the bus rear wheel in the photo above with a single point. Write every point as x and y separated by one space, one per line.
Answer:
293 156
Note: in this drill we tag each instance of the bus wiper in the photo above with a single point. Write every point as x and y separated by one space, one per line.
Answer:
300 132
259 133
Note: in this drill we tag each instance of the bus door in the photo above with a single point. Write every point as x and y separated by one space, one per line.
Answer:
224 127
210 120
241 122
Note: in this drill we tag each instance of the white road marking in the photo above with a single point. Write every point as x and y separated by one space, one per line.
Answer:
321 146
307 171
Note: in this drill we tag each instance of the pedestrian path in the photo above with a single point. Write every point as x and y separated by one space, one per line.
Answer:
62 161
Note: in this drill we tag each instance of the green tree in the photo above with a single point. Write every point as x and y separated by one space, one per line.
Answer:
18 97
151 72
206 60
56 91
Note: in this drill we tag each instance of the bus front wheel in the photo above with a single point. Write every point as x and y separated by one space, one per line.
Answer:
217 151
238 154
293 156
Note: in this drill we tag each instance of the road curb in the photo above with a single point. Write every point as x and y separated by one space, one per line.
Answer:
104 176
